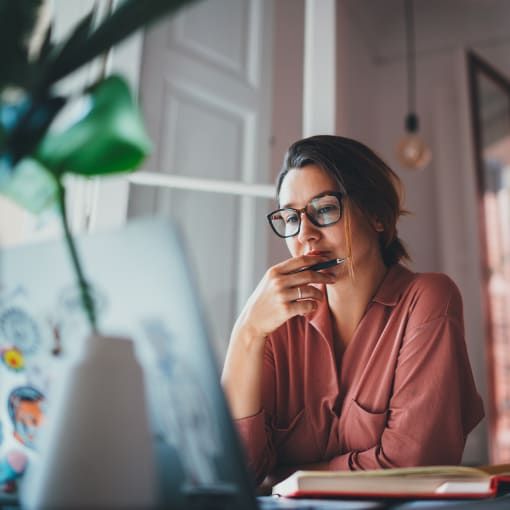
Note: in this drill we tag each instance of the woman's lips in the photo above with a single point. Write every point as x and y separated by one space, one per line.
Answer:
324 254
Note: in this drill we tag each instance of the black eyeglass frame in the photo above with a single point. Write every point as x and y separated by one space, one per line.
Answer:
339 196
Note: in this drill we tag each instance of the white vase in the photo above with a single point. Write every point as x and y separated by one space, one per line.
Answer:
96 449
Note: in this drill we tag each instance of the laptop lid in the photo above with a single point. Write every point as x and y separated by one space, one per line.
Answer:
144 289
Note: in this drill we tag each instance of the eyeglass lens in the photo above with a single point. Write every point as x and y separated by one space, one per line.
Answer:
321 211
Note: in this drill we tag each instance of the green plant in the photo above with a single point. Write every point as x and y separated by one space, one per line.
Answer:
109 139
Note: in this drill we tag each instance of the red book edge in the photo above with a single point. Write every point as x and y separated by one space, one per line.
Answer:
495 489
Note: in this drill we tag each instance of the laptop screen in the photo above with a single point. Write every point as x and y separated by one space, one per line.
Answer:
143 289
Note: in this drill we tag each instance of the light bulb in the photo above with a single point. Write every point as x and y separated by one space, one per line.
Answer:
412 151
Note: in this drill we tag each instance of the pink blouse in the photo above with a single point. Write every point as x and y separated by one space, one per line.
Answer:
401 394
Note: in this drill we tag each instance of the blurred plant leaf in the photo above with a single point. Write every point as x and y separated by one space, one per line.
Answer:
29 184
82 45
126 19
47 45
75 40
108 139
17 21
32 126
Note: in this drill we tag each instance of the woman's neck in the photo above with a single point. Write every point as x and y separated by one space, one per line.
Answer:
349 297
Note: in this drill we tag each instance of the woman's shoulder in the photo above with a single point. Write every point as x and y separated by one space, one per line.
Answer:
434 282
435 292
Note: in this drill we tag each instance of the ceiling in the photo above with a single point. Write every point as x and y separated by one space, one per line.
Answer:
440 25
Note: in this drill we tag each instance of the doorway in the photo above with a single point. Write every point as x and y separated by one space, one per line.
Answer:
490 108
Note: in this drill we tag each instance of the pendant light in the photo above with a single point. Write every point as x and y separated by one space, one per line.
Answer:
412 151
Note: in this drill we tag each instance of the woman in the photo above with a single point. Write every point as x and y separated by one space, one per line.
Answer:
362 365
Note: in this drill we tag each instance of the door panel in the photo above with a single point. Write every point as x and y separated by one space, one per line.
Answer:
205 94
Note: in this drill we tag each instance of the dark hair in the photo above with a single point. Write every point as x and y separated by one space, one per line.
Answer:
362 177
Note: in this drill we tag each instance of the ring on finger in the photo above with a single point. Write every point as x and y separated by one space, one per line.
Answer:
300 295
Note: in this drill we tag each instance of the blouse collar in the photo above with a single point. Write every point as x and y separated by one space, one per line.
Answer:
388 294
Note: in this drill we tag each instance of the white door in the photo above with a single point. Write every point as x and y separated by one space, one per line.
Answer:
205 93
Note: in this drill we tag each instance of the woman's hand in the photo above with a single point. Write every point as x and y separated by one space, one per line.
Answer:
283 292
275 300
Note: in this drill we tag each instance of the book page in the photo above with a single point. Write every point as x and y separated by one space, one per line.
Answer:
480 487
496 469
414 472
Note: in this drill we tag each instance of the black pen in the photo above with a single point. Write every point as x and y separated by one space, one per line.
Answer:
322 265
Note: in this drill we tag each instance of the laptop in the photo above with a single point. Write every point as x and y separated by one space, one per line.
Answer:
143 289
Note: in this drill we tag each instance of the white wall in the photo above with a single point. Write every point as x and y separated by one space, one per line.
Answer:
355 78
287 102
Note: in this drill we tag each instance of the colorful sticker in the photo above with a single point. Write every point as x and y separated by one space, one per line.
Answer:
13 359
20 329
26 409
12 466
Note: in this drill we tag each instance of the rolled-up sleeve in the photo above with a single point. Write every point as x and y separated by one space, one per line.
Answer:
255 431
260 455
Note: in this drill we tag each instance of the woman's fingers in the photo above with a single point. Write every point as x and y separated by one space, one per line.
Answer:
299 300
284 293
298 263
299 293
289 280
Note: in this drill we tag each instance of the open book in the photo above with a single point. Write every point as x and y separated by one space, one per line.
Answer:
423 482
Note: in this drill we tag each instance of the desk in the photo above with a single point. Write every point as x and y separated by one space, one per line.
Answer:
499 503
272 503
277 503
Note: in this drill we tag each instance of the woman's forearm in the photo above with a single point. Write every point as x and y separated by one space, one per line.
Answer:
242 373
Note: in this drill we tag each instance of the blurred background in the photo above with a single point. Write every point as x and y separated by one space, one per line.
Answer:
227 85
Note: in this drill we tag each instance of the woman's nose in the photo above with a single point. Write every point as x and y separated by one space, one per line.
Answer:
307 230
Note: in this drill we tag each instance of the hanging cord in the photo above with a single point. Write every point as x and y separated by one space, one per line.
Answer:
411 71
412 118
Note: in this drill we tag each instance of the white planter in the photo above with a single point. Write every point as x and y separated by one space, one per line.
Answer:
96 450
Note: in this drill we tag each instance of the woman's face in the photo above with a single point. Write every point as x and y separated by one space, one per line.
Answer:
302 185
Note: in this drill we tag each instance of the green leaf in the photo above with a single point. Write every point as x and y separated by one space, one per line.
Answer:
110 138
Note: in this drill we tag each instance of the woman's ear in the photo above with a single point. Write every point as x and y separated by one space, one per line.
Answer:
378 226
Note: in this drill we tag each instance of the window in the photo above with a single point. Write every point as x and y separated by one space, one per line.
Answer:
490 94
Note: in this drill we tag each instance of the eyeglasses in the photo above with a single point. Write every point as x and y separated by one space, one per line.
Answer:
322 211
